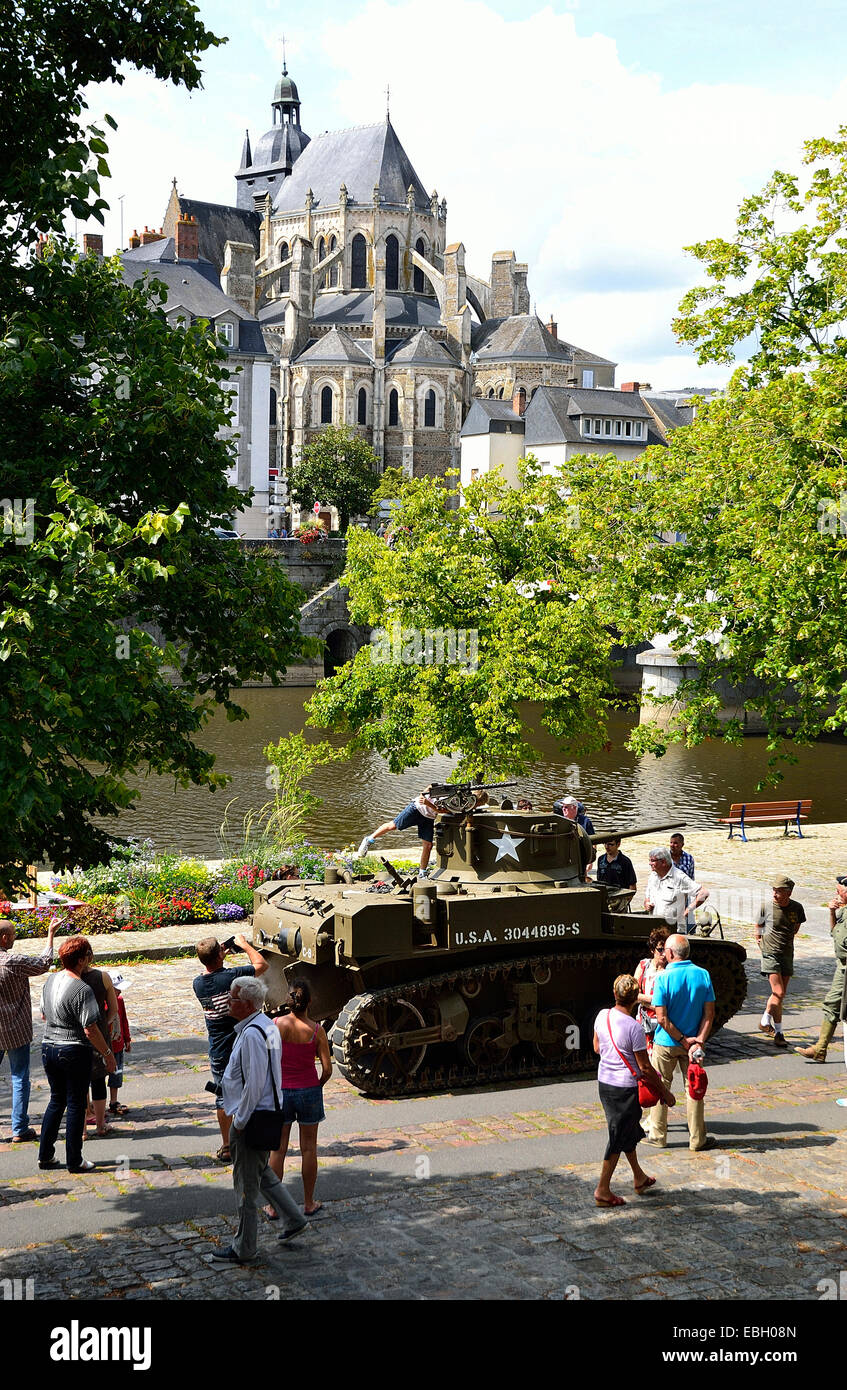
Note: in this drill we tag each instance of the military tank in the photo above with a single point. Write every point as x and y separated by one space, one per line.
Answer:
492 969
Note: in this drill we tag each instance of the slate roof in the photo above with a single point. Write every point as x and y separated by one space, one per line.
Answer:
554 414
356 306
163 252
217 224
492 417
520 338
671 413
423 350
190 288
279 147
359 158
336 346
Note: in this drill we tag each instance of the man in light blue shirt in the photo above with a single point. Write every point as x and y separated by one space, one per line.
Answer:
684 1000
253 1081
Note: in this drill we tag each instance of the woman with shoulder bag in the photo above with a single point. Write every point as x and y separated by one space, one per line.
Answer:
624 1071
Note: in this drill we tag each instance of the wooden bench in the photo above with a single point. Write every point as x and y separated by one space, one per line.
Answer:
743 813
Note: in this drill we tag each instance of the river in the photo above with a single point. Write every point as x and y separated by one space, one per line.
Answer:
692 785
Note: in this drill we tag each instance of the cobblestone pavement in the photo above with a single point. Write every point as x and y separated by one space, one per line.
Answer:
747 1230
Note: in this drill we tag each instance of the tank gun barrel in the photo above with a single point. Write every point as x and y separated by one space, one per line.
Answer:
603 835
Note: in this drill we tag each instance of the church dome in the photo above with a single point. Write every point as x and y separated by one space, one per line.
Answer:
282 144
285 90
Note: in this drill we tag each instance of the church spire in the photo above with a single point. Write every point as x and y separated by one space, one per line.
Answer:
246 154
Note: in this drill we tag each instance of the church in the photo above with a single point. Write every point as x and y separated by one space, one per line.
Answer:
337 268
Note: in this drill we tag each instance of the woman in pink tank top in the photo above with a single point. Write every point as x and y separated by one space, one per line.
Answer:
303 1042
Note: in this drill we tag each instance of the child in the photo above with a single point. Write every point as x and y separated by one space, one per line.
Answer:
121 1044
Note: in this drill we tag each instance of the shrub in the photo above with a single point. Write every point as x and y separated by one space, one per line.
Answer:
230 912
240 893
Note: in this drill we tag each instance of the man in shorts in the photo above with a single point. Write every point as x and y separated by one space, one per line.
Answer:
421 813
776 927
212 990
832 1003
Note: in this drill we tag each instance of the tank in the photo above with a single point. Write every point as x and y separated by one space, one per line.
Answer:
492 969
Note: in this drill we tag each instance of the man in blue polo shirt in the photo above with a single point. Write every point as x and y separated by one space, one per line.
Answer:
684 1001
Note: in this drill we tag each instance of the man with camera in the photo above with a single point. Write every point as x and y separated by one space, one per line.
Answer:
212 990
252 1099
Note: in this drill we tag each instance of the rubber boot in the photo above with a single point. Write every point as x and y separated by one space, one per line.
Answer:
817 1051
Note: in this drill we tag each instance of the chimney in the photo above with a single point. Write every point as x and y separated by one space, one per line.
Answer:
134 241
553 328
147 236
92 242
635 386
187 238
519 401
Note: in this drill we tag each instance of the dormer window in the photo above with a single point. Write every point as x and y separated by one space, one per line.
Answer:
587 380
227 332
638 429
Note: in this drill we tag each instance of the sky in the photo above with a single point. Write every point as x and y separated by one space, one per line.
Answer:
595 138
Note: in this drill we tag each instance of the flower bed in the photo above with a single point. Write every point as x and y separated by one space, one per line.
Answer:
139 890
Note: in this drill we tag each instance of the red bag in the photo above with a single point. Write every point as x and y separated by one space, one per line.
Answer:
647 1096
698 1081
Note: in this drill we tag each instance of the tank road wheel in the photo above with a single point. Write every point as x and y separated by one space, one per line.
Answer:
486 1044
565 1041
362 1043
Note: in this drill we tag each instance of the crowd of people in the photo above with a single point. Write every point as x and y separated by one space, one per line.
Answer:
268 1073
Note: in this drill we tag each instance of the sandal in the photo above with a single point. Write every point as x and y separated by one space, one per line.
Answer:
641 1188
223 1154
102 1133
317 1210
613 1201
271 1213
116 1109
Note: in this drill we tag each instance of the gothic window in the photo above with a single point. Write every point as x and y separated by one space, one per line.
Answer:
419 282
285 277
321 249
333 274
429 410
491 393
393 408
359 263
362 407
326 405
392 263
273 408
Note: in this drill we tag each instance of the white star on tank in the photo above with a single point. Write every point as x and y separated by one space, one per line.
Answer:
507 846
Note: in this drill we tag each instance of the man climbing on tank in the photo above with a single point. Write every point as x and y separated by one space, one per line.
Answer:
421 813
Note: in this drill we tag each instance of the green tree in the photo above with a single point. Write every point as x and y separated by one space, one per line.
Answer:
113 470
337 469
780 287
497 572
756 591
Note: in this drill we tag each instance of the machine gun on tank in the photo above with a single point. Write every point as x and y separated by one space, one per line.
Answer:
460 797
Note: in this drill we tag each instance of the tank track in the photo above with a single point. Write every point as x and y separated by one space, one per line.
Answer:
430 1077
434 1074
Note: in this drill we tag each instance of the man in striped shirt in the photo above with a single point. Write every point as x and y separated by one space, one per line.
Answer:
684 861
16 1019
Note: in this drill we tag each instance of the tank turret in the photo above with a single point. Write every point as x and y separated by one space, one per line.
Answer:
493 968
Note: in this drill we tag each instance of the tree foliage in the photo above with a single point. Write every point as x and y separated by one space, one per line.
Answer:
114 467
756 591
782 281
337 469
496 575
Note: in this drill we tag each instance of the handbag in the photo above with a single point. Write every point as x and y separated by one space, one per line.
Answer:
264 1128
647 1094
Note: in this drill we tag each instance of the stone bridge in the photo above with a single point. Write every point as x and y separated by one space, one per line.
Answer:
324 614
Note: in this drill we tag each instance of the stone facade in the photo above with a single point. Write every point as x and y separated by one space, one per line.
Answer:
371 316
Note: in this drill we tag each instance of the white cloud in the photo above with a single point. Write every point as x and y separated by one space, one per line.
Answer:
540 139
